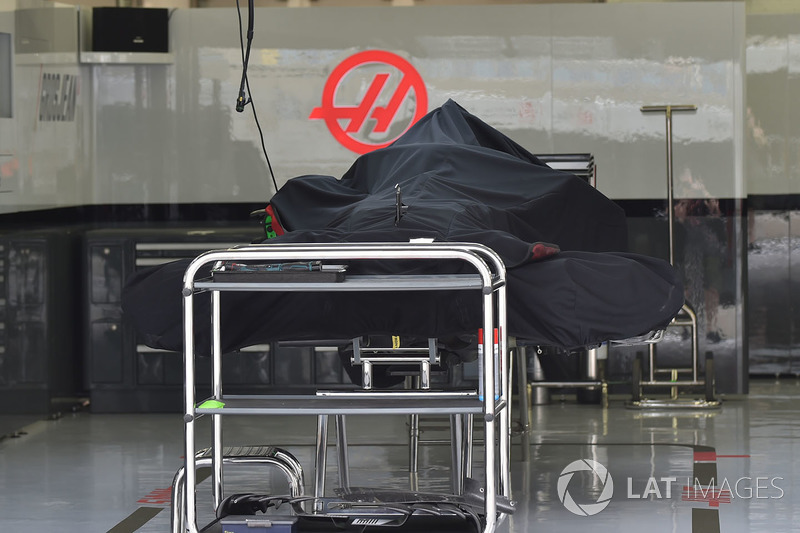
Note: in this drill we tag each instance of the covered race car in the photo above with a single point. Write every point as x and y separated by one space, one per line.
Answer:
450 177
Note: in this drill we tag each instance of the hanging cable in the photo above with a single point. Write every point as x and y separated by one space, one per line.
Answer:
245 95
242 100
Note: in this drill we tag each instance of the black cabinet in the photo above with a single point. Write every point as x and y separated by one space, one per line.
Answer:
40 334
124 375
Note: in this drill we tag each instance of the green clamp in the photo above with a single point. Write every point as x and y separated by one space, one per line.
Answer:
268 227
211 404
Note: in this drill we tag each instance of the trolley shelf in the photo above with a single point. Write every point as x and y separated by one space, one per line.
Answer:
415 282
349 405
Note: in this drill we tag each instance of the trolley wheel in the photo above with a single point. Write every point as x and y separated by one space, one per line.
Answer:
636 378
709 378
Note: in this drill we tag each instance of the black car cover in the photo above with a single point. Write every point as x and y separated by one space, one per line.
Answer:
450 177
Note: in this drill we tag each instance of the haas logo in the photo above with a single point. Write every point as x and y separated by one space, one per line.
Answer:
392 98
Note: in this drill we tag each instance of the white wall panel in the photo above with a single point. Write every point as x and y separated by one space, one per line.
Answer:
8 133
567 78
52 170
610 60
45 165
495 63
772 130
555 78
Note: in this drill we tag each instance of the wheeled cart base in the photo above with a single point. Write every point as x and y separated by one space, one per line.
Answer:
361 509
674 403
424 522
239 455
672 381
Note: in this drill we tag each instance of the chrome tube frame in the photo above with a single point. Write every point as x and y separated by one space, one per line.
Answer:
492 274
281 459
320 461
216 420
341 450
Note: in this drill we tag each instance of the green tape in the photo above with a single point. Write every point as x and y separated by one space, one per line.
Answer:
212 404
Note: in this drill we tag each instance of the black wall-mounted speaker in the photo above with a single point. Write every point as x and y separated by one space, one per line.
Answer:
130 29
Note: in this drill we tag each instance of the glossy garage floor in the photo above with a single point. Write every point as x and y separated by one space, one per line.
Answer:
736 469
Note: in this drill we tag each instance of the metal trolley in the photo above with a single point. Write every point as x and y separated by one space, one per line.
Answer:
686 318
492 403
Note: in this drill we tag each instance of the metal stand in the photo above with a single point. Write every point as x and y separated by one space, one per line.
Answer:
592 378
418 363
519 356
490 498
539 395
685 318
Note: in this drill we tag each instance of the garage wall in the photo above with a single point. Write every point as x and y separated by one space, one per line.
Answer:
773 180
44 148
556 78
8 130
